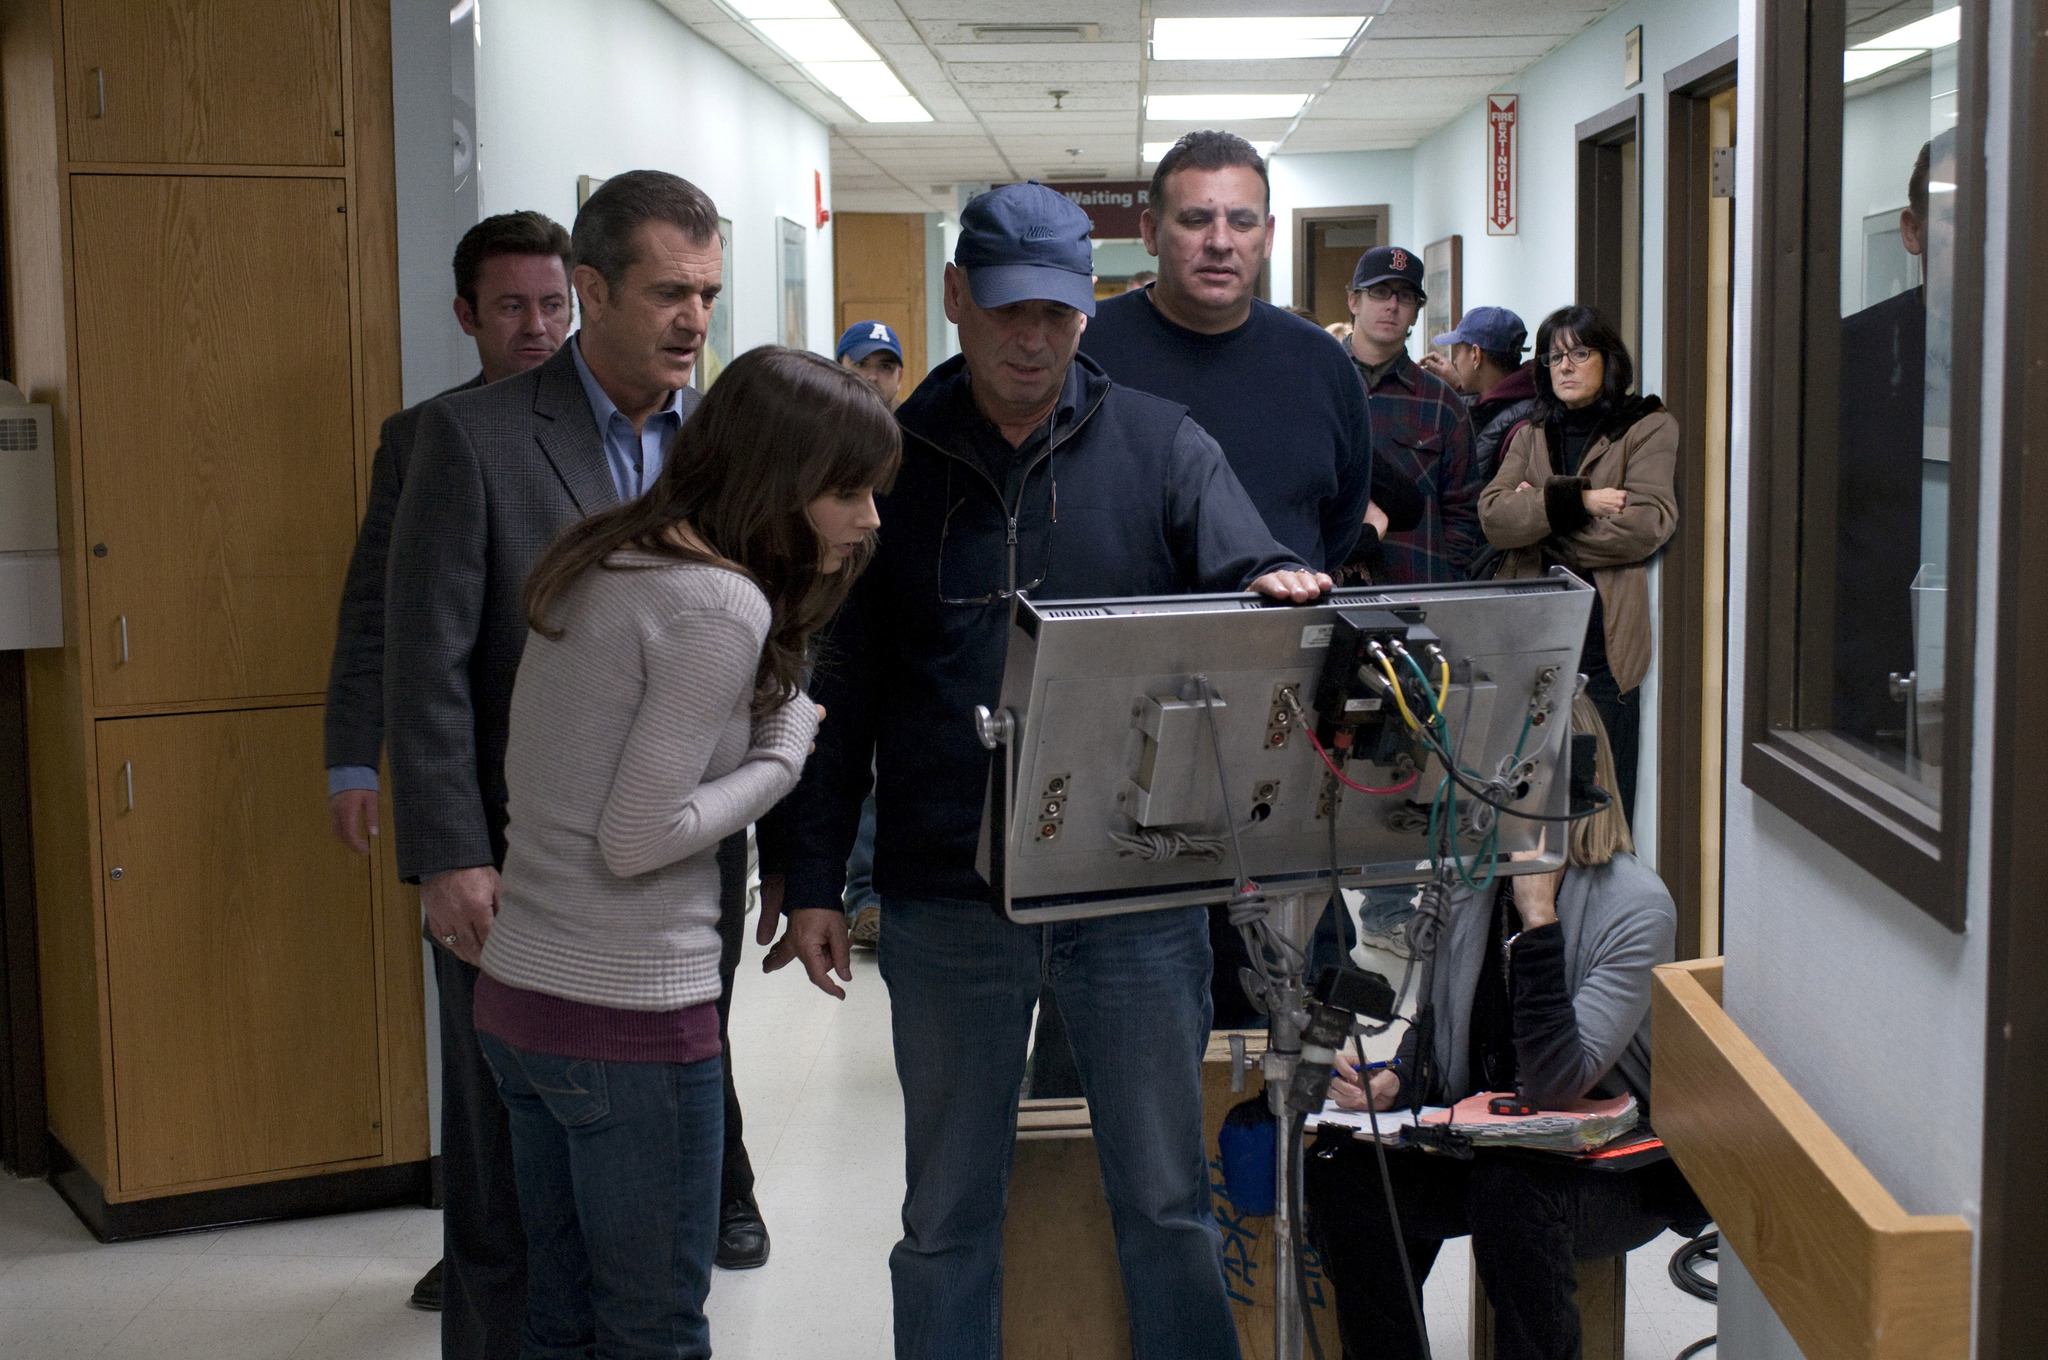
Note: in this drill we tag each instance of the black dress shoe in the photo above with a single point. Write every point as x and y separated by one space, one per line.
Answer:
742 1236
426 1295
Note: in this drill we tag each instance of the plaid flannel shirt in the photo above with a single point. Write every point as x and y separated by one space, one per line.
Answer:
1422 428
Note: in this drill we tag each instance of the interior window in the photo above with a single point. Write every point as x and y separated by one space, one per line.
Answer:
1870 682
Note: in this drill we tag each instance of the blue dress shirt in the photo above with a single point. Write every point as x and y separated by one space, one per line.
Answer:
635 461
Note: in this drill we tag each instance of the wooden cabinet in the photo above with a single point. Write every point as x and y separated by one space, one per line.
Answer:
217 426
204 82
240 947
203 285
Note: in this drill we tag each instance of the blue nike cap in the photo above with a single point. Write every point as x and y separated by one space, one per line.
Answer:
863 338
1025 243
1495 329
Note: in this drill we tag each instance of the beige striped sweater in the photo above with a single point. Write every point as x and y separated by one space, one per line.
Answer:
631 754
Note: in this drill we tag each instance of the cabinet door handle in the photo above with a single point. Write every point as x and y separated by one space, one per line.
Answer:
121 623
99 93
128 782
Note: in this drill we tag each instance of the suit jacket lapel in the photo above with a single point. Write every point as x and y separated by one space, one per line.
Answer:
569 437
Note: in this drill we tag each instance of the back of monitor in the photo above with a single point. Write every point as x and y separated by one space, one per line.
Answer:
1114 714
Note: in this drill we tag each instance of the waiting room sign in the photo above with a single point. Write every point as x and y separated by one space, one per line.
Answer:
1501 209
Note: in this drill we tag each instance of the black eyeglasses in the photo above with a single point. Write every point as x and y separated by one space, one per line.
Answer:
1011 589
1578 355
1383 292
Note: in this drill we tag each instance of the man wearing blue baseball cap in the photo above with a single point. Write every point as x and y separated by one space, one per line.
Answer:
1485 364
872 350
1026 471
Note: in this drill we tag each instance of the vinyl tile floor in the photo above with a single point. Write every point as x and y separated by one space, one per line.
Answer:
824 1124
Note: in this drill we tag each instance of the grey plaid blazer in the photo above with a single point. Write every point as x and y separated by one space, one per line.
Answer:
355 680
496 473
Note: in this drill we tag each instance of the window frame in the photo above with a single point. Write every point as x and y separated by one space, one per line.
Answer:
1920 852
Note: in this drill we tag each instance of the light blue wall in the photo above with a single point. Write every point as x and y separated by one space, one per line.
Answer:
1328 179
602 86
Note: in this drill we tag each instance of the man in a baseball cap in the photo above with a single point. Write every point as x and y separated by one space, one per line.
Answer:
1150 507
1418 421
872 350
1485 364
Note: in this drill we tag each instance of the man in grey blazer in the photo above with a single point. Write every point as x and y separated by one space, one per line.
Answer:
496 474
512 297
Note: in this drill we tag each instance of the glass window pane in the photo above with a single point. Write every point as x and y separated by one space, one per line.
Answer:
1883 679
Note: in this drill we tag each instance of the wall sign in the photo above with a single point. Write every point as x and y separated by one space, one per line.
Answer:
1113 206
1502 210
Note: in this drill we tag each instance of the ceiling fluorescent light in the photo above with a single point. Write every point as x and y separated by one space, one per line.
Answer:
888 108
1221 108
1902 44
1155 152
1254 39
870 89
809 40
785 9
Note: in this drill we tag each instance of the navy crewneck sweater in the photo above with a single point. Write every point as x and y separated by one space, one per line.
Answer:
1278 393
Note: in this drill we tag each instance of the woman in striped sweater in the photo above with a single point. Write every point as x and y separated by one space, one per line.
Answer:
657 711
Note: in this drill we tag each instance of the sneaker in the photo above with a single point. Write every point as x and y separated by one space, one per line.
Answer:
866 932
1393 940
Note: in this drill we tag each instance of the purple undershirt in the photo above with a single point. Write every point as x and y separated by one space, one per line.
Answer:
540 1023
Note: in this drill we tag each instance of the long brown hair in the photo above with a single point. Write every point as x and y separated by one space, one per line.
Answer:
780 428
1597 839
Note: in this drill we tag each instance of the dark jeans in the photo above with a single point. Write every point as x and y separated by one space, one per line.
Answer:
1531 1218
738 1179
1623 716
483 1250
1135 995
617 1167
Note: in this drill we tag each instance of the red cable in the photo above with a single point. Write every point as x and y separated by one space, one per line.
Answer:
1401 787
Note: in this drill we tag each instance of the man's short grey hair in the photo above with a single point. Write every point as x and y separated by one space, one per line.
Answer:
607 233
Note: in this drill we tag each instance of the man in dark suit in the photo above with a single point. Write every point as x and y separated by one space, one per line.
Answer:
496 474
512 297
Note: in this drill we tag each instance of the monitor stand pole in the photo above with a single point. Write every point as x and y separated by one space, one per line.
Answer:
1293 920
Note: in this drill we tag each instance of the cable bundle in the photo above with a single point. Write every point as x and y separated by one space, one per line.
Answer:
1154 846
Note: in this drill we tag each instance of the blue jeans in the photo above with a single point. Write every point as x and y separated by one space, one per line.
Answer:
860 865
618 1167
1135 994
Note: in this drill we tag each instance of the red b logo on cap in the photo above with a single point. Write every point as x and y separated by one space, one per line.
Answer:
1400 260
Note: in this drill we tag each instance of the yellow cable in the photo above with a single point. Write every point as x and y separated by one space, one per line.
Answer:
1406 716
1443 681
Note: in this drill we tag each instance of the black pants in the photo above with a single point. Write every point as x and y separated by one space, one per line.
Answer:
738 1182
1623 716
1530 1219
483 1251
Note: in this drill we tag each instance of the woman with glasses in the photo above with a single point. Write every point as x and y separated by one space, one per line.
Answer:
657 711
1588 483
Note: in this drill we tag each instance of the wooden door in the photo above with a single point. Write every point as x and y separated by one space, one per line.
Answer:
204 82
240 963
878 275
217 432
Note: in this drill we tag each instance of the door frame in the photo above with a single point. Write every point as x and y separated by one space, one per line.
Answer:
2012 1308
1381 213
1681 704
1608 128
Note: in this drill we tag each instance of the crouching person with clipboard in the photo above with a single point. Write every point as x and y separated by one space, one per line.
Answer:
1542 988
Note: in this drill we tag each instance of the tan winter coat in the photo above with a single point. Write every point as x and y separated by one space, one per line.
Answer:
1635 449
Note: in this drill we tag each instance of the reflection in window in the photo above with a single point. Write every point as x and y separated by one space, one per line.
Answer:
1897 286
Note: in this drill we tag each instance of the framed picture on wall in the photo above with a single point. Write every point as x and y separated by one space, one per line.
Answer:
1443 279
718 340
790 284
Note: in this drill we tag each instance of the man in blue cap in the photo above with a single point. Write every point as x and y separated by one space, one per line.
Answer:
872 350
1485 364
1150 507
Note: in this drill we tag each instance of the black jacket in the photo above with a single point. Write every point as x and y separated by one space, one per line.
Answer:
1147 505
355 682
1496 414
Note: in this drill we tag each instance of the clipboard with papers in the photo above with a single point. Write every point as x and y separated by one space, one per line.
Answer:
1592 1130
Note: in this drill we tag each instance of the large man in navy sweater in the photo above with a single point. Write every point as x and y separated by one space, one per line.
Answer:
1284 403
1025 471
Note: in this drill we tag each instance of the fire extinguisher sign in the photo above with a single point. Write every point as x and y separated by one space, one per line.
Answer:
1501 111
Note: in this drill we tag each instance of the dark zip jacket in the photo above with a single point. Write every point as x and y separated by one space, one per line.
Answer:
1146 505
